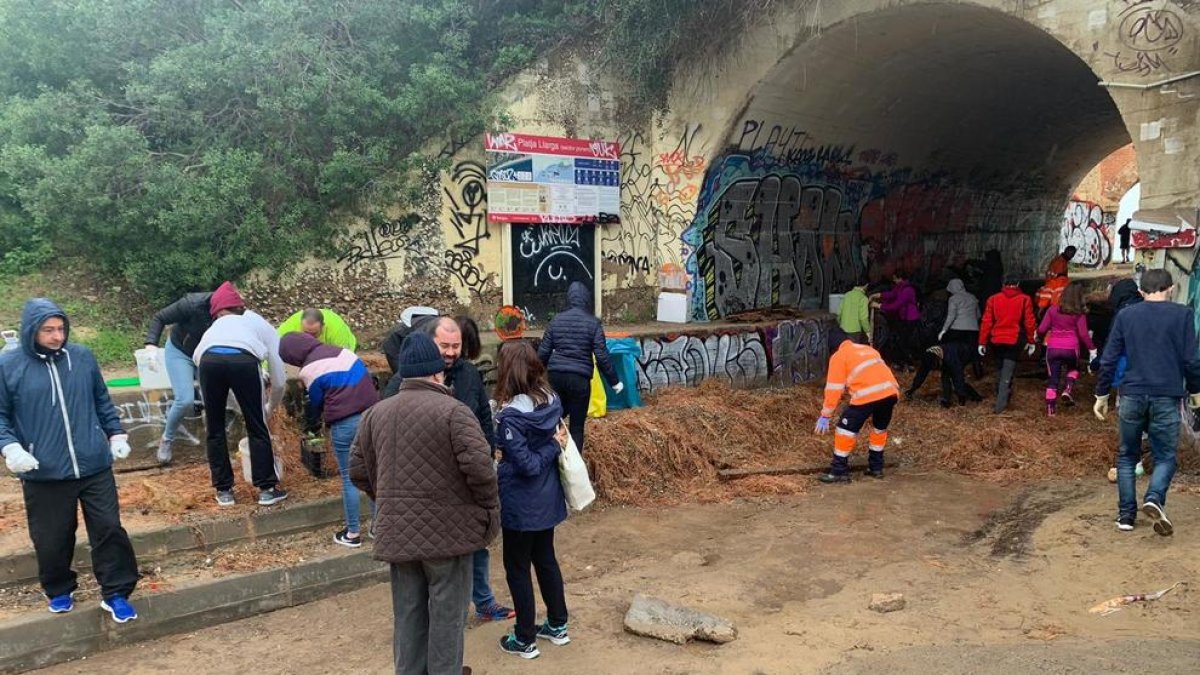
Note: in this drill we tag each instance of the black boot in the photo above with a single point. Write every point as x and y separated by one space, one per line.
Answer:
875 464
839 471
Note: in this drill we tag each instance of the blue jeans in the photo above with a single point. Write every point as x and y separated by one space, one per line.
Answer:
481 586
342 432
181 371
1160 414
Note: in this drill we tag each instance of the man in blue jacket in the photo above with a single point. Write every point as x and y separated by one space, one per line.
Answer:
1159 338
59 432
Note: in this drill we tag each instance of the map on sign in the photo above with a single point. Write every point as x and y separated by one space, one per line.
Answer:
539 179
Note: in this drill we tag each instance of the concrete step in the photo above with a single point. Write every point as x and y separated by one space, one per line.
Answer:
37 639
157 545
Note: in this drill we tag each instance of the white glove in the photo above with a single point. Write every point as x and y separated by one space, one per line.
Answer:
618 387
941 335
151 348
1093 354
1101 407
17 460
982 350
1030 349
119 445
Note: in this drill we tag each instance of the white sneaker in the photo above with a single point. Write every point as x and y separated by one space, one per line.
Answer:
164 452
1162 525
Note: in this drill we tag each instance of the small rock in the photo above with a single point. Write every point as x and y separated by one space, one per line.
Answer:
688 559
655 618
887 602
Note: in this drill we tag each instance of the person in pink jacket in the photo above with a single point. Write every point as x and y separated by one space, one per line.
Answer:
899 306
1065 330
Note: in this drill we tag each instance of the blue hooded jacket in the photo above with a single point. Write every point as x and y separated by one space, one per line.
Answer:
574 336
55 404
531 494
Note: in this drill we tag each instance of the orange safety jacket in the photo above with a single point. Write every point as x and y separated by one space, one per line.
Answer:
860 369
1050 294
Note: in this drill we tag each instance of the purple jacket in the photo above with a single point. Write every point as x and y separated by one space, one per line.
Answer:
338 382
901 303
1065 331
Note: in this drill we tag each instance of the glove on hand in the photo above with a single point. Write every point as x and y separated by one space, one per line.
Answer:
822 425
618 387
17 460
1101 407
119 446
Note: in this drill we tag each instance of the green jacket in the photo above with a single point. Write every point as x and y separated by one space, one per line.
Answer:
854 316
335 333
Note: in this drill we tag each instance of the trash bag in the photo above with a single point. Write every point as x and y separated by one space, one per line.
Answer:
624 352
598 404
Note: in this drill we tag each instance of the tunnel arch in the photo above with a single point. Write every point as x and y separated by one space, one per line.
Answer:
912 137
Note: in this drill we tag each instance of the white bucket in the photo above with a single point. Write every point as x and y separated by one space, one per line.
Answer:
152 368
244 454
835 302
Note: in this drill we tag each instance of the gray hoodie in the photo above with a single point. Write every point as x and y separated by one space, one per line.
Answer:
962 311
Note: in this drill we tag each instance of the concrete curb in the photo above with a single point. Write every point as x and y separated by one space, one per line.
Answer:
153 545
43 639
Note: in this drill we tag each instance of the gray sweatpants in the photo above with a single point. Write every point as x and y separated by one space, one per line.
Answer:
429 600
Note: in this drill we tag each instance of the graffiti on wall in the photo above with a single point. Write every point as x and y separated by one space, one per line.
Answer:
380 241
798 350
658 200
782 221
790 352
466 201
1151 36
1089 229
145 418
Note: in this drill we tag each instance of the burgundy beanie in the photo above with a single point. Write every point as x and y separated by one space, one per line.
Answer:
225 297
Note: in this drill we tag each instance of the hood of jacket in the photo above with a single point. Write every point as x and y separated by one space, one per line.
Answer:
521 413
296 349
36 312
1011 291
956 286
1124 293
579 297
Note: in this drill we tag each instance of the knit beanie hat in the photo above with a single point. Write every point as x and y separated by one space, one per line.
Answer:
419 357
225 297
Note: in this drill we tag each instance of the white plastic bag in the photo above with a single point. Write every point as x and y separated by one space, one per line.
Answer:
244 453
152 368
577 485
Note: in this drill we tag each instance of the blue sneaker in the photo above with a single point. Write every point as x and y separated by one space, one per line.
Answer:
120 609
495 612
62 604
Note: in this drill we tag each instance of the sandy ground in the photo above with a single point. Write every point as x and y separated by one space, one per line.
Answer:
998 579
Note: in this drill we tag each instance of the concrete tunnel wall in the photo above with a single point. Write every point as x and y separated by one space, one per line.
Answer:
826 140
901 140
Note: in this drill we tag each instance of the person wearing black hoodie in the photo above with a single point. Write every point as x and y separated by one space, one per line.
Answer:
571 341
188 318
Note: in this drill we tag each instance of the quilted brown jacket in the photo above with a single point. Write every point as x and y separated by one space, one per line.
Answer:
424 460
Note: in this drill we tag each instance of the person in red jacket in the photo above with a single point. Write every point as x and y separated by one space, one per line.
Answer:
1006 315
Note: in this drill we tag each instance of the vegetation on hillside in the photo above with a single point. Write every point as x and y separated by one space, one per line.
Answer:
171 144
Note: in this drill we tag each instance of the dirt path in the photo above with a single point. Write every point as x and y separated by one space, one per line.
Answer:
997 580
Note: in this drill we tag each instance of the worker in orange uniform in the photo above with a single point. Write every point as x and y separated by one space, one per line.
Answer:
873 395
1050 294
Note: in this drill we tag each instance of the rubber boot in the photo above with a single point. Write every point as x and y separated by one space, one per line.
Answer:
1068 395
1004 389
875 463
1051 403
839 471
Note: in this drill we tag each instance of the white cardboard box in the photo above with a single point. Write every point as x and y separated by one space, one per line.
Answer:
672 307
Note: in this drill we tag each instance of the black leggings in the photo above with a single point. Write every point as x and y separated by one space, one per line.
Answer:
521 549
575 391
220 374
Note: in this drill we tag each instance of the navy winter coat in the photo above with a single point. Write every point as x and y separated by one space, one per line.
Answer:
531 493
56 404
574 336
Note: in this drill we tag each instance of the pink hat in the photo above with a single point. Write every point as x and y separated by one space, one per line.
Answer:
225 297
